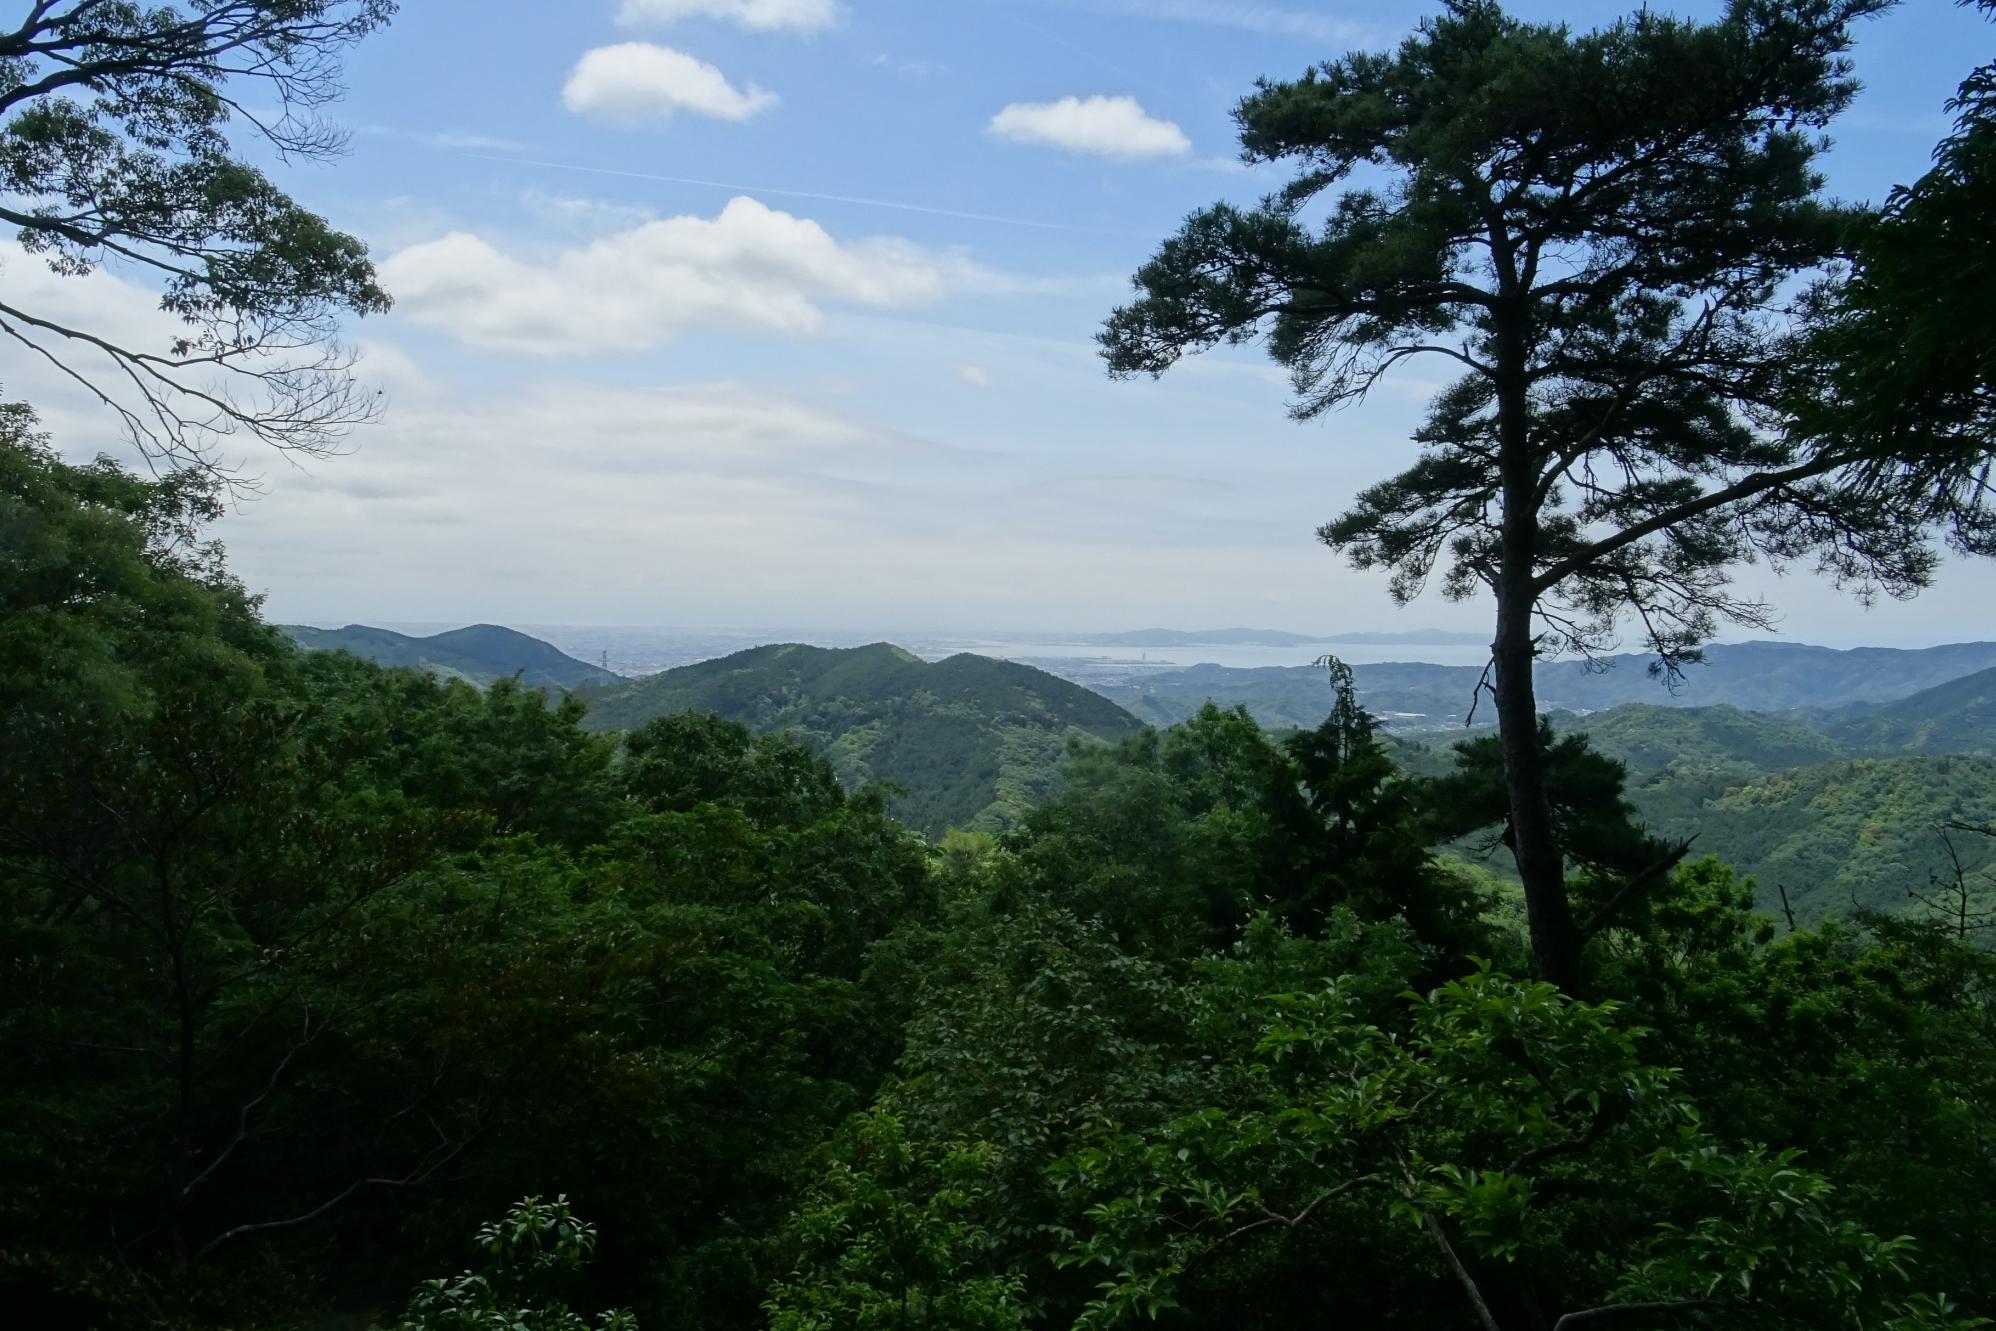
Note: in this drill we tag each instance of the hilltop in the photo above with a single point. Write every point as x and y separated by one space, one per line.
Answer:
479 653
972 742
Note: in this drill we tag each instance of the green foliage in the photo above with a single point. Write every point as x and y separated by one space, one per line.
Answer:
1597 825
888 1243
536 1243
1176 839
1870 1044
967 742
1900 366
1839 837
297 946
1487 1126
115 147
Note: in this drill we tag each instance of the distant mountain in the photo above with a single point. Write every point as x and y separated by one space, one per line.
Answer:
1654 741
1956 717
1414 638
1758 676
973 742
1202 638
1296 697
1277 638
480 653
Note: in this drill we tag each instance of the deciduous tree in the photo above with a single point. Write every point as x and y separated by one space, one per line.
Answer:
115 152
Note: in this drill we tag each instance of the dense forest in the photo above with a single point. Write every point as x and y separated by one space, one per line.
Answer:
337 995
315 966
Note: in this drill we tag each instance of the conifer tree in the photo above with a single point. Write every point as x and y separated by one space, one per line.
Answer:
1603 232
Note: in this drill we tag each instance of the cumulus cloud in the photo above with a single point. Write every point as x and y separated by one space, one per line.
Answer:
1105 126
975 375
749 267
634 82
760 15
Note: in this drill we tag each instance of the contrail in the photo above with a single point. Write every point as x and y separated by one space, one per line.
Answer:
807 194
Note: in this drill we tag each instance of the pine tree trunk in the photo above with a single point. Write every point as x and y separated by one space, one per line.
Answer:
1534 839
1535 844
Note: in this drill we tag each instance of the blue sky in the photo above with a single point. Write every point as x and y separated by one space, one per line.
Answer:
778 312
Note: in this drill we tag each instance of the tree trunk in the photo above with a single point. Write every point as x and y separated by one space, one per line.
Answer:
1534 838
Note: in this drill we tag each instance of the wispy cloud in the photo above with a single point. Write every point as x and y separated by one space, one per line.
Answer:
582 212
458 142
756 15
1092 57
448 139
1273 20
893 205
908 69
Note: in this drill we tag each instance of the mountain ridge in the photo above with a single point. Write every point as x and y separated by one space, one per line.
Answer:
971 740
1756 677
479 653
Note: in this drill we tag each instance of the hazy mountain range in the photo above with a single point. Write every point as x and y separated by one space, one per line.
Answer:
1757 676
1823 772
1274 638
480 653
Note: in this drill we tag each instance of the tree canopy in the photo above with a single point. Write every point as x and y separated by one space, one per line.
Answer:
115 153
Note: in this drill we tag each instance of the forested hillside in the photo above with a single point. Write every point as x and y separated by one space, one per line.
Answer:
1757 676
1956 717
1841 837
1790 801
812 990
970 742
479 654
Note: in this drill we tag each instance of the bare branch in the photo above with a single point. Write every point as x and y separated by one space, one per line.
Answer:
1621 1309
1642 882
1293 1221
421 1174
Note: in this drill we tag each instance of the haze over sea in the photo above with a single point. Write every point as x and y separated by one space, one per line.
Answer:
639 650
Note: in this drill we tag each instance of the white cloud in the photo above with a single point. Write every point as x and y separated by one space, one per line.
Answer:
450 139
760 15
460 142
749 267
1106 126
910 69
633 82
579 212
1271 20
975 375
